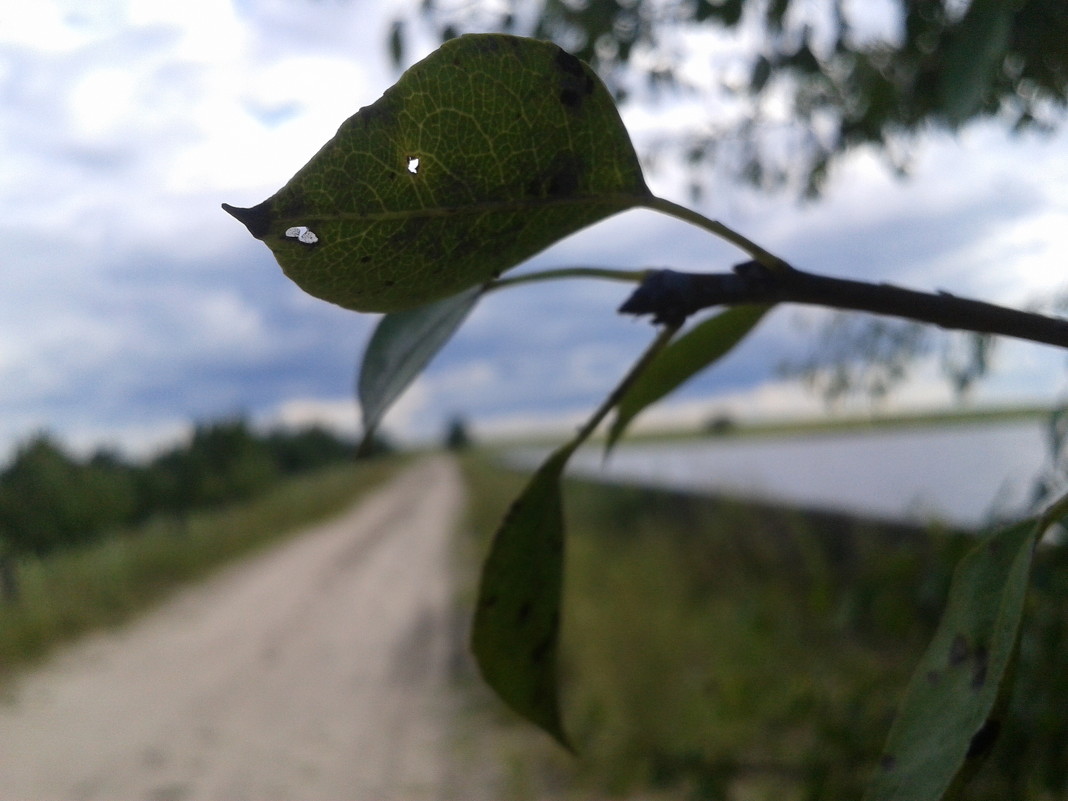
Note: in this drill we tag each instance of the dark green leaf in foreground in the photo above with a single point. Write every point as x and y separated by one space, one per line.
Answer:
402 345
695 350
517 618
487 151
948 718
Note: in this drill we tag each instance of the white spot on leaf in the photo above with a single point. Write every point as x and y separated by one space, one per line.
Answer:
302 234
413 164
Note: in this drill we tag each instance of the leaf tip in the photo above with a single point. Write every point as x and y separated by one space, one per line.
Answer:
256 219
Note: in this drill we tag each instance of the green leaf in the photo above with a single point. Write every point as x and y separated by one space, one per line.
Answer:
517 619
948 719
486 152
402 345
695 350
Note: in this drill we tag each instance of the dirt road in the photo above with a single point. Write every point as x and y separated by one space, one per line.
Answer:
314 671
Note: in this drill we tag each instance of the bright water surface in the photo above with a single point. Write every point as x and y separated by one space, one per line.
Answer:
961 474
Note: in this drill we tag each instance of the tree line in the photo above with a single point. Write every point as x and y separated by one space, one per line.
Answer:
50 499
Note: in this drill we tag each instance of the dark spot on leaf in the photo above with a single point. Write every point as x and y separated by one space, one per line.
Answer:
933 677
561 179
984 739
563 183
365 260
489 601
256 219
569 63
958 650
541 651
888 762
979 666
575 83
523 615
571 98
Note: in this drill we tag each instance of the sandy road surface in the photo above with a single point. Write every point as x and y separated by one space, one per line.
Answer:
313 671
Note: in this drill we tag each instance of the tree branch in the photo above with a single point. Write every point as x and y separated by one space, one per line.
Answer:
673 296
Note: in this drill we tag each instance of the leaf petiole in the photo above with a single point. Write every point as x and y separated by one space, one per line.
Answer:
603 273
766 258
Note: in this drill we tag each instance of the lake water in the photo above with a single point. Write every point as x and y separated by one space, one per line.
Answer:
961 474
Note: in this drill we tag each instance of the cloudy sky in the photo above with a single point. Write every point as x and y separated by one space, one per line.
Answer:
131 305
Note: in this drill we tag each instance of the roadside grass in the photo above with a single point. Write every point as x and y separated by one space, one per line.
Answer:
106 583
716 650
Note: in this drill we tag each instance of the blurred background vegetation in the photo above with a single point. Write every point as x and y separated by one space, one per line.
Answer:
89 542
50 499
719 650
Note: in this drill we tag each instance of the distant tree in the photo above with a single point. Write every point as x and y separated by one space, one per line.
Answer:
9 574
720 425
226 462
49 500
306 449
457 436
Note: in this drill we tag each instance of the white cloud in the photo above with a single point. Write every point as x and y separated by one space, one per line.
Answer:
339 415
129 300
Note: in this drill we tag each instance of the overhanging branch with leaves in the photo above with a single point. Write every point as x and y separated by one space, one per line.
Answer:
492 149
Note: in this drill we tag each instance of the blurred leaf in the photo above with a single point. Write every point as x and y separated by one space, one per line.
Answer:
688 355
727 12
396 43
517 619
402 345
487 151
760 75
776 14
973 55
947 720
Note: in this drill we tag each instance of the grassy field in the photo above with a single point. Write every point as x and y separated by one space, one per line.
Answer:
106 583
714 650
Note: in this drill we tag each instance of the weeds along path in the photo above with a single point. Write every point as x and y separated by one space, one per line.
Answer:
316 670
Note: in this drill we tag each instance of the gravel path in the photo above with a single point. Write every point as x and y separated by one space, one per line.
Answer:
317 670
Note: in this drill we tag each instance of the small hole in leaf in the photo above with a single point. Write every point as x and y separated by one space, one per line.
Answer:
302 234
413 164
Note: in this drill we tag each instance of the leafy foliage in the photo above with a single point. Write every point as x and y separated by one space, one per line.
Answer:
486 152
50 500
846 82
